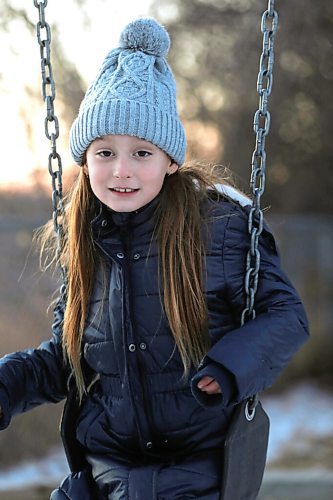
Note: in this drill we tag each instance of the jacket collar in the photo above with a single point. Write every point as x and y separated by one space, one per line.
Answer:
108 220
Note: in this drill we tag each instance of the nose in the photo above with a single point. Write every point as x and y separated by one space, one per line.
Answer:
122 169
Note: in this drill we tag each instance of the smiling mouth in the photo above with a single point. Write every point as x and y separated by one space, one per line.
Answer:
124 190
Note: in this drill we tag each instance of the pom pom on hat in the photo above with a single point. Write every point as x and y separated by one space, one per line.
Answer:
146 35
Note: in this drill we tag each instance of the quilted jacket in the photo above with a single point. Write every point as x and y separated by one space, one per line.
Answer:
141 423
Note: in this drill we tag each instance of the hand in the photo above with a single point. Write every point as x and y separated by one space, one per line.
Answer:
209 385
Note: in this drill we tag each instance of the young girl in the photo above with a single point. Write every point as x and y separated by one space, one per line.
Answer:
148 347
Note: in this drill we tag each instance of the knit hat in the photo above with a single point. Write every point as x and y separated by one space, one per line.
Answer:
134 94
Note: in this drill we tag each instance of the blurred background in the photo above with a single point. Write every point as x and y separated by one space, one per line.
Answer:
216 45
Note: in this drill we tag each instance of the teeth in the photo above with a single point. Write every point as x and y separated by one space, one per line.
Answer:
124 190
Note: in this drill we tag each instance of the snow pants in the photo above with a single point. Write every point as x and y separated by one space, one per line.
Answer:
198 477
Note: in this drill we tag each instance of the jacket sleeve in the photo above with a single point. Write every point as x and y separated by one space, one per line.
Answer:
34 376
248 359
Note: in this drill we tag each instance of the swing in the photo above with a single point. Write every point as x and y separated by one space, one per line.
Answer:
247 439
250 425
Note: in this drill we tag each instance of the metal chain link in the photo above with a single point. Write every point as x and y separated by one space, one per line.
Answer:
261 124
51 125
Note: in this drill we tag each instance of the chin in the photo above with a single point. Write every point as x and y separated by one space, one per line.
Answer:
117 207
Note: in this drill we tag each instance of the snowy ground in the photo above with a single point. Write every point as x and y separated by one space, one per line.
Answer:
300 418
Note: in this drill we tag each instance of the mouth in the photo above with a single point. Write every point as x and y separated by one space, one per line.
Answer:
123 190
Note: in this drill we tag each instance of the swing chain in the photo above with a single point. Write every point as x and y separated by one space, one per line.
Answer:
51 122
261 124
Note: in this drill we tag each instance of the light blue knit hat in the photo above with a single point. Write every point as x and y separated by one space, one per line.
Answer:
134 94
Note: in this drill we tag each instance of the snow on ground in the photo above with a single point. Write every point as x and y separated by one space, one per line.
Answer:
296 416
44 472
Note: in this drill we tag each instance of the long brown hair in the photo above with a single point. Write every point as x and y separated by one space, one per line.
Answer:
178 229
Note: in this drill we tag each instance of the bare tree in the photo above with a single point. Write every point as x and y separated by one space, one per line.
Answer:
215 56
70 85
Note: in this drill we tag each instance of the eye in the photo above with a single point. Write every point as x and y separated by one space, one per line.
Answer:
142 153
104 153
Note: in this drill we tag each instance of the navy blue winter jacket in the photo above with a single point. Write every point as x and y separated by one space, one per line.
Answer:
139 409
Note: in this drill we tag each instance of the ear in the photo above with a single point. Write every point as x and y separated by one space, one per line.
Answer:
85 170
172 168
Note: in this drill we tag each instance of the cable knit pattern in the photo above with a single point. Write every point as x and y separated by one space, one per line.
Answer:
134 94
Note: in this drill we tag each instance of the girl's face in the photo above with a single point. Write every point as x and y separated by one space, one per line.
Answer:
125 172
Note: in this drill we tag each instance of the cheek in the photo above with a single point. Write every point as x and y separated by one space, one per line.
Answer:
156 180
98 186
97 179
